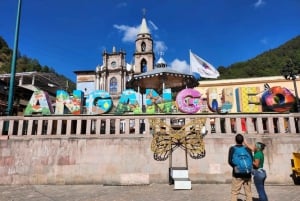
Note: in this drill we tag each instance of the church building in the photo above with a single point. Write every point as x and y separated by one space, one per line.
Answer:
114 72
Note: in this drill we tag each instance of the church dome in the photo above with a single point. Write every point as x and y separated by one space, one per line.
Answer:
161 63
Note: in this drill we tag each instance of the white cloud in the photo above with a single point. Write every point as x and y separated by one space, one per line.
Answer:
122 5
180 66
259 3
264 41
153 25
160 46
130 33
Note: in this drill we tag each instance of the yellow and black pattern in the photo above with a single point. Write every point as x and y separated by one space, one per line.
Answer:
166 139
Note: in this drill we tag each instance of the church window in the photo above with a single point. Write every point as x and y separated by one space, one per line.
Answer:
144 66
143 46
113 85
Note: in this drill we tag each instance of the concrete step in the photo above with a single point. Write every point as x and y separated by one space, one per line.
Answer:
182 184
179 172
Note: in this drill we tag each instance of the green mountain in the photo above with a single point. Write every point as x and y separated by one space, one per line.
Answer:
269 63
26 64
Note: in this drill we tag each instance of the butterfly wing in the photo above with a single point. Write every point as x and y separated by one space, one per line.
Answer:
195 145
161 144
189 137
192 138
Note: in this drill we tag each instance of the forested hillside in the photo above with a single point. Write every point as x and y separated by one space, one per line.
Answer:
268 63
24 63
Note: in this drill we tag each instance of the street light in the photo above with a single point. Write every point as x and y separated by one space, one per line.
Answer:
290 72
13 64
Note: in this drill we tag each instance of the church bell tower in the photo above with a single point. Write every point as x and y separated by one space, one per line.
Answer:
144 56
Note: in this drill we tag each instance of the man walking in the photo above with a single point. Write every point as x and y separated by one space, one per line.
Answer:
240 159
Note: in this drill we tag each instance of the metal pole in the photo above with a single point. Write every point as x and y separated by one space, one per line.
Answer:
13 63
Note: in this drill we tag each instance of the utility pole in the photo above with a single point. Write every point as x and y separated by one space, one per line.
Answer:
13 64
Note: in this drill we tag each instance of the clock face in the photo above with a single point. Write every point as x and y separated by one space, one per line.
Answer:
113 64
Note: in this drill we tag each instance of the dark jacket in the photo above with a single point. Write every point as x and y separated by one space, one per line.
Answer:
230 155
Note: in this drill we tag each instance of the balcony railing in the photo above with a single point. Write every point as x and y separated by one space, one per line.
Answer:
138 125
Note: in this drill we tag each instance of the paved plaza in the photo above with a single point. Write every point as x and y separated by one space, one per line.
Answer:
153 192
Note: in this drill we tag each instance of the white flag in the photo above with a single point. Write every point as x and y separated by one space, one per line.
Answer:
202 67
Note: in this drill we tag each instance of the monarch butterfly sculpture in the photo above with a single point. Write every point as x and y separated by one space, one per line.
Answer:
189 137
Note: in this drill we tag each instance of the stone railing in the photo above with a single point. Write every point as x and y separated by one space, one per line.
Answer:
137 125
108 149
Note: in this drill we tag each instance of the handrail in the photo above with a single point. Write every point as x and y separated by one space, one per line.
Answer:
138 125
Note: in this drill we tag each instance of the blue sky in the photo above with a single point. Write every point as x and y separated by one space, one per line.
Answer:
70 35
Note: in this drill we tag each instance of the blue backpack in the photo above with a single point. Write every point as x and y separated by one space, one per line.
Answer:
242 160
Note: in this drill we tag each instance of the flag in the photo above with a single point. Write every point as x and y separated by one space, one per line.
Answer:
202 67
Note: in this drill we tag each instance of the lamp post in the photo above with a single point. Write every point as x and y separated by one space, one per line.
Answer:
290 72
13 64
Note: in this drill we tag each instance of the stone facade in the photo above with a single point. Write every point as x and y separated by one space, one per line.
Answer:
128 161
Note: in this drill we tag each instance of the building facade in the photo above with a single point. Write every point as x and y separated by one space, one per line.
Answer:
114 72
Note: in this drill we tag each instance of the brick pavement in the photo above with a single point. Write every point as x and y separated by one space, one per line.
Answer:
153 192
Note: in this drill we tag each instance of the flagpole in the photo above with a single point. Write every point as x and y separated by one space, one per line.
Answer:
13 64
190 62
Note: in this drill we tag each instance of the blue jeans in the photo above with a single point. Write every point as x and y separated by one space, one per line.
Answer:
259 177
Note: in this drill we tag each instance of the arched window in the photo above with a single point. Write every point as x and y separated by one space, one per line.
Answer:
113 85
143 66
143 46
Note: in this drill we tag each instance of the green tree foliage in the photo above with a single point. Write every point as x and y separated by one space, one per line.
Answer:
26 64
269 63
5 54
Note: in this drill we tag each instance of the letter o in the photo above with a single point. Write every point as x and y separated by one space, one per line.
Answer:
278 99
188 101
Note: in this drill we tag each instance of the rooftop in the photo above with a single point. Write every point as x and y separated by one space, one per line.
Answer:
49 82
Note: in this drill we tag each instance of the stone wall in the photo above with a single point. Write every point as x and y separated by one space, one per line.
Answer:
128 161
